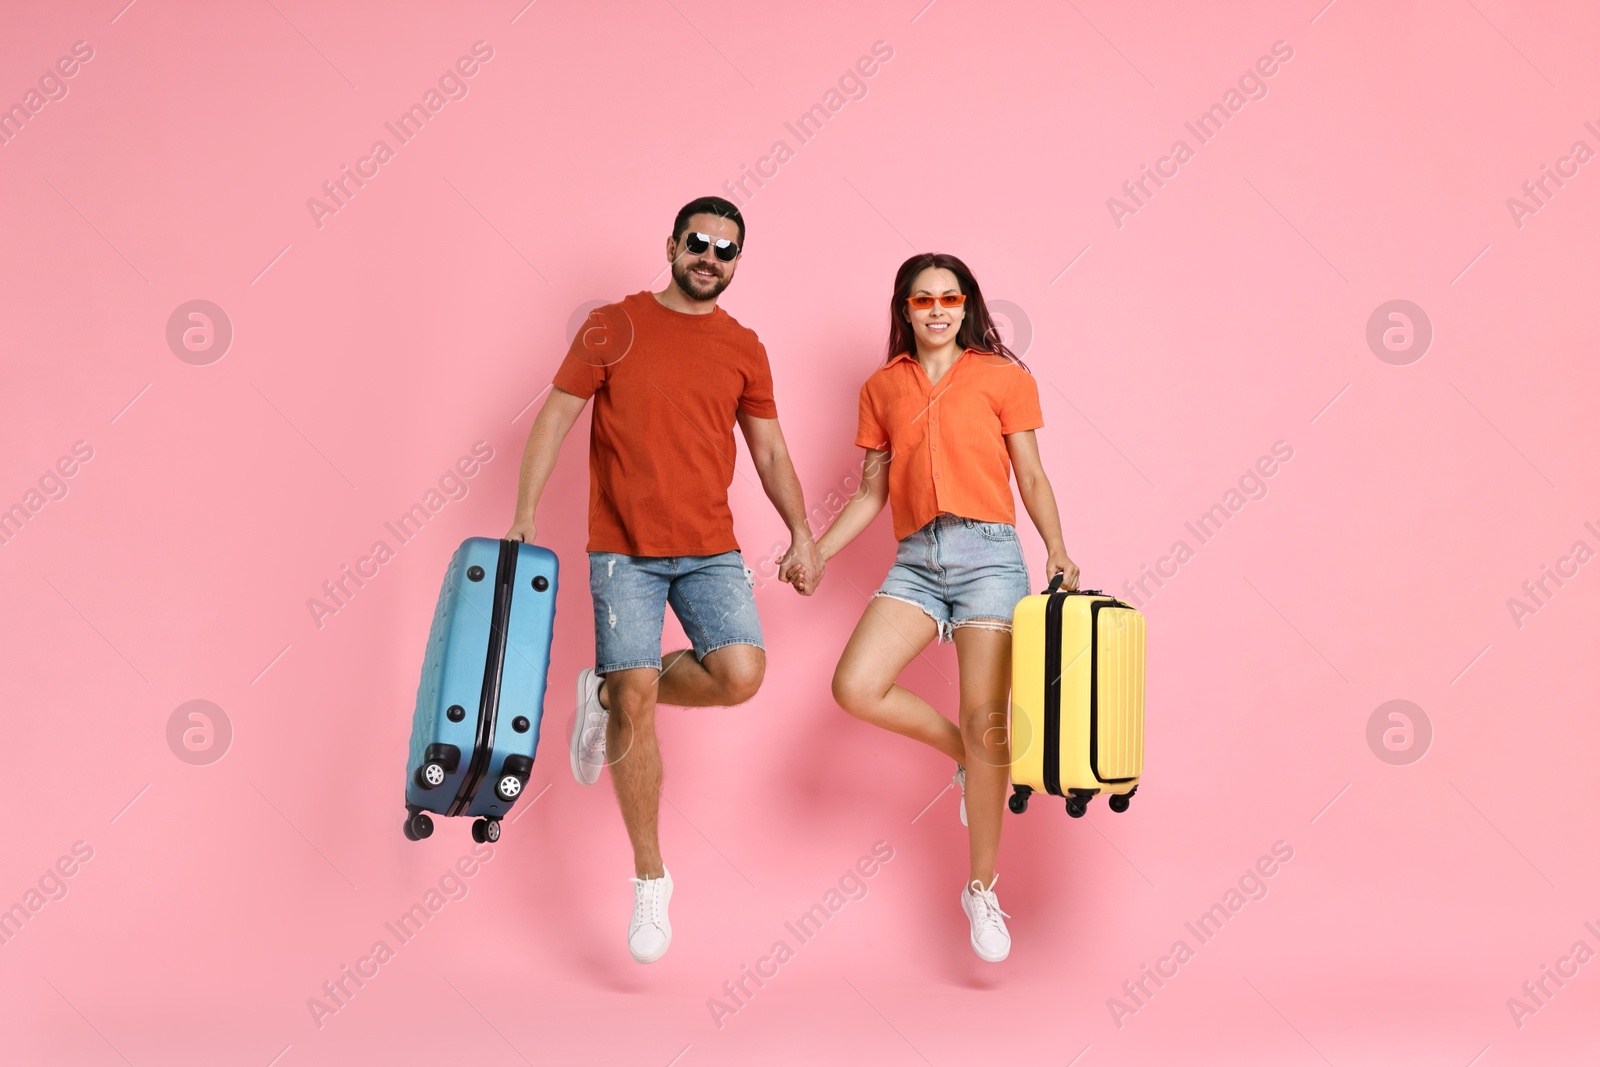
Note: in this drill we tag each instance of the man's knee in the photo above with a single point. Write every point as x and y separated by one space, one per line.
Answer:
739 670
632 693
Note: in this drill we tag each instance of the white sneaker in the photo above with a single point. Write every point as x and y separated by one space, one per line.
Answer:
588 741
990 938
650 932
961 780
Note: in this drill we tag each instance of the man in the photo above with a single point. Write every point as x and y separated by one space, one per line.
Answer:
670 372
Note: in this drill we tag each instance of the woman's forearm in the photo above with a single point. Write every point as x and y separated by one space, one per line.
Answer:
856 516
1040 500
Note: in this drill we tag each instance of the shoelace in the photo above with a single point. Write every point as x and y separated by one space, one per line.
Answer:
594 734
647 900
988 905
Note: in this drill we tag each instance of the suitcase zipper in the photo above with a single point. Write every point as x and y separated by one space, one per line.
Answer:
1052 692
489 698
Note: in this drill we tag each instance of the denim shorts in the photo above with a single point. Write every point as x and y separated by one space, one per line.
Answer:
713 597
961 572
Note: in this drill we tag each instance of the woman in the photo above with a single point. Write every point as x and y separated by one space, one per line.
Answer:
944 422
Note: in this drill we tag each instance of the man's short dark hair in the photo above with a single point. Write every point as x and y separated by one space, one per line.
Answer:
707 205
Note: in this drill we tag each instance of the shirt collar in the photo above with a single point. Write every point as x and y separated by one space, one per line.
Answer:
910 356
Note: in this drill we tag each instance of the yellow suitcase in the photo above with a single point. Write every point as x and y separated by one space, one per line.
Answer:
1077 698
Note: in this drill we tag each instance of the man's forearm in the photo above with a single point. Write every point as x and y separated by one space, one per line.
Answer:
782 487
538 460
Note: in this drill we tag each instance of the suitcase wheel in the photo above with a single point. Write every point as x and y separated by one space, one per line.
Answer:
1077 806
1119 801
509 787
486 830
431 775
417 826
1019 801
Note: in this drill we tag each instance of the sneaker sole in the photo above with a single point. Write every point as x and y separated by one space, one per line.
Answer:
974 943
575 741
658 955
990 959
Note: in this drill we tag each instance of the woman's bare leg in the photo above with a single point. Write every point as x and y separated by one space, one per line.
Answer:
889 636
984 656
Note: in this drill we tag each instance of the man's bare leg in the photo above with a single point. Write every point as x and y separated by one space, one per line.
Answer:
730 675
635 760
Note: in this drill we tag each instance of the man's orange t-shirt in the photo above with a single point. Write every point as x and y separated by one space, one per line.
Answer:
947 439
666 386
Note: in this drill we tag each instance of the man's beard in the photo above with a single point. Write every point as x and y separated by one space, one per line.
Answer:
695 286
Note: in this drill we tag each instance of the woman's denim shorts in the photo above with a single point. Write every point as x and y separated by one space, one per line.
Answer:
962 572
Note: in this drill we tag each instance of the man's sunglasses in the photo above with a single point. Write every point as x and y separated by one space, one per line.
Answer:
922 302
697 243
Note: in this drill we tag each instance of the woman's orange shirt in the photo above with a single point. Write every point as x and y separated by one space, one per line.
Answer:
946 440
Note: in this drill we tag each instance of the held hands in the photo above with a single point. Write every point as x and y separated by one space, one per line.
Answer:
1061 563
802 566
805 573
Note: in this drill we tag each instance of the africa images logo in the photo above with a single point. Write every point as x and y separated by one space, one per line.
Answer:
1252 85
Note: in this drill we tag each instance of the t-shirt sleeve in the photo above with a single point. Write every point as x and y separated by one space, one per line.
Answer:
757 398
1019 405
869 428
592 351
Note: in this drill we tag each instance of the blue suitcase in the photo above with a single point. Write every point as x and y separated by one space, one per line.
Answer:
476 726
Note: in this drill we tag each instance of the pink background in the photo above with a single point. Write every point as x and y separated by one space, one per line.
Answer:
368 355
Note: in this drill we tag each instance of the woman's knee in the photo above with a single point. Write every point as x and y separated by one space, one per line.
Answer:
983 728
853 693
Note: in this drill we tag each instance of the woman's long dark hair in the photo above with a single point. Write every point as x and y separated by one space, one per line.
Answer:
977 328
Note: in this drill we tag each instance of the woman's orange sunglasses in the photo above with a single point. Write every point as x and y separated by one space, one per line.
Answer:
922 302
